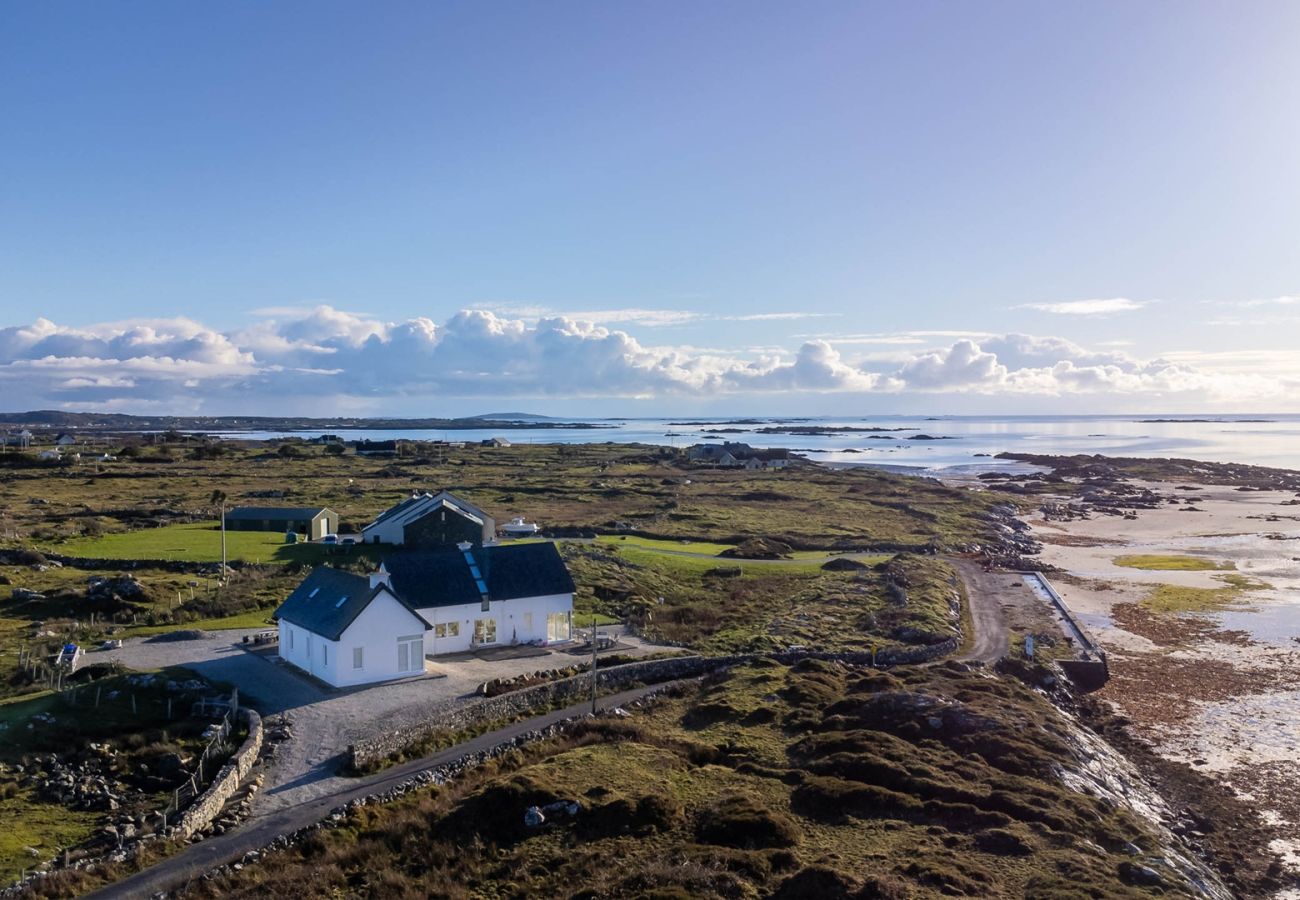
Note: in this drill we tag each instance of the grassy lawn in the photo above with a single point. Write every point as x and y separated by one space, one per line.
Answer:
200 542
704 547
1171 563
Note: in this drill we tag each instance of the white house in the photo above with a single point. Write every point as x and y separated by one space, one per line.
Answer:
349 629
481 596
431 520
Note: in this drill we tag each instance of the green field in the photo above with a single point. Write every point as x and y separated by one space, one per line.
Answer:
200 542
1171 563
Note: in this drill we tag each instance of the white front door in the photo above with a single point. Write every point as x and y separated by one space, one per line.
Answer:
410 653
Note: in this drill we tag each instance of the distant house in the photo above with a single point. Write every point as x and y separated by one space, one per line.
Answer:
376 448
351 629
21 439
315 522
495 442
348 629
431 520
49 455
737 455
65 440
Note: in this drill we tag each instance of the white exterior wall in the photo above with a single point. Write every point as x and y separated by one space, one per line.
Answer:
375 631
511 616
303 648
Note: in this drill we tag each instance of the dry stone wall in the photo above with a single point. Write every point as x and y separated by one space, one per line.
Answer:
206 807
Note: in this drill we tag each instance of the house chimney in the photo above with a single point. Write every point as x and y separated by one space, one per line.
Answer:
380 577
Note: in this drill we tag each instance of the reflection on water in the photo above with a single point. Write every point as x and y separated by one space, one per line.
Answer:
1274 621
967 440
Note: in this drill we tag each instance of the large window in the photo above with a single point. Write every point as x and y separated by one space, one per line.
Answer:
557 626
446 629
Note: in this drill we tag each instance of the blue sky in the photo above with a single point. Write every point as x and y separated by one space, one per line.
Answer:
761 206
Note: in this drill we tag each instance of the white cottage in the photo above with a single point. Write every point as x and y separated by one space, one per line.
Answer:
481 596
348 629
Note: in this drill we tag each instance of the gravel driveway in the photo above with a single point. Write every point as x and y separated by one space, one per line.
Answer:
326 721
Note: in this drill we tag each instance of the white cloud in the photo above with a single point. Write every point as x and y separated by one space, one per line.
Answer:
1087 307
328 357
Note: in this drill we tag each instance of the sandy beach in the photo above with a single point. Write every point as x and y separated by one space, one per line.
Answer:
1209 677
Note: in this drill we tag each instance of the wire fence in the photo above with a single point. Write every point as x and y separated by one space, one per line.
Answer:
218 747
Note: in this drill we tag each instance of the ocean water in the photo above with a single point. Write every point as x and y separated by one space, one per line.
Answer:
963 442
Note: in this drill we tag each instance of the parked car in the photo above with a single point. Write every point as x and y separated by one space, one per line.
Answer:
347 541
330 539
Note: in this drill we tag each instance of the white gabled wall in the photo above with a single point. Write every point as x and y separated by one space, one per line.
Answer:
375 631
511 616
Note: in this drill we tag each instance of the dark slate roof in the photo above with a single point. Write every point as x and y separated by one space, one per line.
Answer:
275 512
426 578
315 604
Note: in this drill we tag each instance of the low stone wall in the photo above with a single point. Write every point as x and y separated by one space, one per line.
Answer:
199 814
526 701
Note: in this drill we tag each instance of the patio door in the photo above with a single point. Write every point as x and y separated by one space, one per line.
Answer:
410 653
485 631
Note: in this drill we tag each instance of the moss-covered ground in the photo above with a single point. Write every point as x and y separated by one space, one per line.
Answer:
809 781
1171 563
1174 598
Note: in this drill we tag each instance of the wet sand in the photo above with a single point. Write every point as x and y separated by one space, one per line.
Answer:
1218 689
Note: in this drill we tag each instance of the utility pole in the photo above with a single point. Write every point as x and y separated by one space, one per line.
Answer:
219 497
593 664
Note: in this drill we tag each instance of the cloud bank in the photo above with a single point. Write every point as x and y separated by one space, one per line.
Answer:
1087 307
293 358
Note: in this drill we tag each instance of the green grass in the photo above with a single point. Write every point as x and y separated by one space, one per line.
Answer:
256 618
1171 563
200 542
706 548
1172 598
46 827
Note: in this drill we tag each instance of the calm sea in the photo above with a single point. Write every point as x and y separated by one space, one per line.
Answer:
968 442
